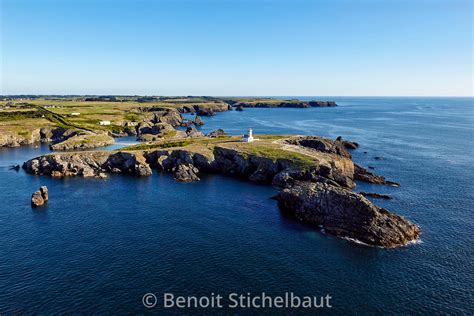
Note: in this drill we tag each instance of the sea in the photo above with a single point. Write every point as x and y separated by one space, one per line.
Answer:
100 245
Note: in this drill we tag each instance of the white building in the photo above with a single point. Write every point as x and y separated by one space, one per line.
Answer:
104 122
247 138
75 113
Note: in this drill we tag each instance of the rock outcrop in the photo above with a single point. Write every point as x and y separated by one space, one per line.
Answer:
363 174
346 214
83 140
376 195
193 132
39 197
317 191
210 109
198 121
347 144
43 135
217 133
186 173
123 162
320 144
44 193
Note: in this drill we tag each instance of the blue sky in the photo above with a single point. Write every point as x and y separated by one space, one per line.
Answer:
230 47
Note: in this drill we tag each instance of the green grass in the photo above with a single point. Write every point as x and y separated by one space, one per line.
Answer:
24 133
180 143
18 115
277 153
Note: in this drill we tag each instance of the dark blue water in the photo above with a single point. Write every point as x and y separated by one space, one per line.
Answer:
100 245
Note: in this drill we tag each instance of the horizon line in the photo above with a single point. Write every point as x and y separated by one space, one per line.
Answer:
239 96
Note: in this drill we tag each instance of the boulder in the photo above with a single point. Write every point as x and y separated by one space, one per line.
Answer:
198 121
193 132
217 133
346 214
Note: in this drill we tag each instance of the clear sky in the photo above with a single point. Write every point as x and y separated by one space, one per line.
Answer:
237 47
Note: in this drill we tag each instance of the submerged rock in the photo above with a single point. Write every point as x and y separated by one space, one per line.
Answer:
15 167
363 174
346 214
376 195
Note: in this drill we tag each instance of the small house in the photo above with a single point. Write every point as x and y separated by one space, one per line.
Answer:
75 113
104 122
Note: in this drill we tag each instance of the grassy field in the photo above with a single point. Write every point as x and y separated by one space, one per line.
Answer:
59 111
265 147
23 115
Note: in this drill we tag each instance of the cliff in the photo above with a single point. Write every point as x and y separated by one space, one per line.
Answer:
316 176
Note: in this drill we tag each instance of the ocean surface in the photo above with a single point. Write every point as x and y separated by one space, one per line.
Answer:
100 245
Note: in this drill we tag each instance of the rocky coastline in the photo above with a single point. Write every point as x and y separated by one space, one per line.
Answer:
316 177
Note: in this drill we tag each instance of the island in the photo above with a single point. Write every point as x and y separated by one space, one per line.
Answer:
315 175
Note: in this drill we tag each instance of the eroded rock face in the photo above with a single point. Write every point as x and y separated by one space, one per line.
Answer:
211 108
88 164
123 162
44 135
154 128
320 144
280 172
217 133
346 214
186 173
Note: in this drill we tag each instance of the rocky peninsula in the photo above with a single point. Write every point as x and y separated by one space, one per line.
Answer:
315 175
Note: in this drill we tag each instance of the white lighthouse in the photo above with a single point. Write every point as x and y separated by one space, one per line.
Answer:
247 138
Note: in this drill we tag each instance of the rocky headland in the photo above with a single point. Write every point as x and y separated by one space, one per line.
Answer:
316 176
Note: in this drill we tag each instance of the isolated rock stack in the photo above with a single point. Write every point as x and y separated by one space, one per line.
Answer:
40 197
